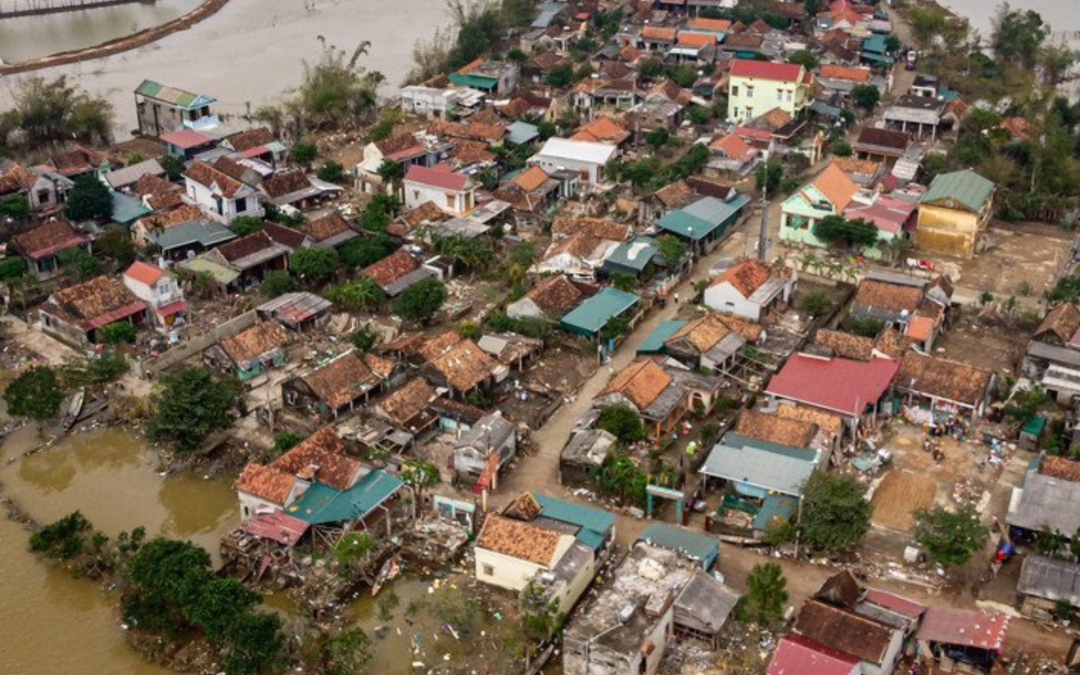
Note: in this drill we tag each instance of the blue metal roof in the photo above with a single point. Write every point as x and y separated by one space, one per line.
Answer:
775 506
127 209
323 504
595 524
654 343
761 465
522 132
702 548
593 314
634 254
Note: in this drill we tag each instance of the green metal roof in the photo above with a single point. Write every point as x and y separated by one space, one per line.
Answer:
126 209
223 275
775 506
967 188
634 254
1034 426
685 225
323 504
595 524
874 43
474 81
692 545
177 97
522 132
699 219
654 343
593 314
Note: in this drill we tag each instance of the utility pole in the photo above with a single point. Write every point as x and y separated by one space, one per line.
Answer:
763 228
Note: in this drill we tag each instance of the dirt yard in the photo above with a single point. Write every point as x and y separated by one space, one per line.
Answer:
899 496
997 348
1023 253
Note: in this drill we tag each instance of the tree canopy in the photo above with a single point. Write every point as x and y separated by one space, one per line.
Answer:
319 264
359 252
56 111
360 294
35 394
950 537
89 199
621 421
838 230
245 225
836 513
766 594
1018 35
420 301
193 403
866 96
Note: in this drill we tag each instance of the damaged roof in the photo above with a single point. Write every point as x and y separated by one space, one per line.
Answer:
465 365
45 240
407 401
255 341
943 378
342 380
320 458
94 303
844 630
392 267
519 540
775 429
265 482
640 383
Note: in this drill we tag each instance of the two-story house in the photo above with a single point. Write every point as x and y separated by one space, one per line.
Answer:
954 213
219 195
160 291
451 191
756 87
161 109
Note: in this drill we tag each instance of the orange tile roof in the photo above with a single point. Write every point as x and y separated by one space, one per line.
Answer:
437 345
836 186
465 365
342 380
523 541
323 454
733 146
265 482
746 276
773 428
640 383
696 39
530 179
838 72
602 129
658 33
255 341
709 24
828 422
144 272
920 327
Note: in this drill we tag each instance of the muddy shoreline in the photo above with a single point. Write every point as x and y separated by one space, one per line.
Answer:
118 45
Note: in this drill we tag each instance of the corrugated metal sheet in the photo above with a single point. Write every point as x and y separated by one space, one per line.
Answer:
966 187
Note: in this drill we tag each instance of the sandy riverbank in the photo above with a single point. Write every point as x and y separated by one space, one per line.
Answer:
251 52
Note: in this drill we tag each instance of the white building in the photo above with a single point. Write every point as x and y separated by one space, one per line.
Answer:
158 289
750 289
451 191
219 195
585 157
435 102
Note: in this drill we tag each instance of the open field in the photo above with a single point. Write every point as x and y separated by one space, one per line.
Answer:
899 496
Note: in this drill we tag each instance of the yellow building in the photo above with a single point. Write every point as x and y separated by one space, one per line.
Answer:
756 87
954 214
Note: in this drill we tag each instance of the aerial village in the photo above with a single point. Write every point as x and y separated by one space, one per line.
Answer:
688 337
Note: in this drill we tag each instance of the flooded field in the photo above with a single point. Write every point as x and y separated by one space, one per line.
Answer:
66 626
250 52
36 36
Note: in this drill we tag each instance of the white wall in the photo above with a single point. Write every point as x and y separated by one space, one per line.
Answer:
417 194
513 573
590 172
202 196
724 297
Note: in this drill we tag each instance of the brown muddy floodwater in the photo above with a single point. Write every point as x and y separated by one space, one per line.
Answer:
55 624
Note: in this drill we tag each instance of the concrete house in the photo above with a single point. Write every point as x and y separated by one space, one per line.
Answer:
586 158
751 289
712 342
653 393
161 109
755 87
492 434
453 192
704 222
954 214
551 298
252 351
944 385
490 77
509 553
334 388
1053 355
180 232
39 246
1045 582
160 291
219 195
827 195
45 189
74 314
465 367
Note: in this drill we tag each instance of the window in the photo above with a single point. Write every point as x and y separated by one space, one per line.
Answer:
450 201
241 205
489 571
749 113
749 92
734 91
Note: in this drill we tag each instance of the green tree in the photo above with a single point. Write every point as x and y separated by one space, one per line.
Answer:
35 393
93 371
700 115
173 166
475 253
12 269
360 294
621 421
115 244
219 604
866 326
89 199
836 513
419 475
836 230
347 652
118 332
950 538
517 56
391 171
768 176
672 249
363 338
245 225
420 301
287 440
15 207
314 263
54 111
522 253
353 547
359 252
469 330
766 594
304 154
77 262
657 138
561 76
1018 36
841 148
866 96
624 281
62 539
191 405
1056 60
816 303
804 58
164 576
892 43
927 22
252 644
277 282
331 171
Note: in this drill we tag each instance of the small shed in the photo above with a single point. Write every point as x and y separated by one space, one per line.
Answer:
297 311
702 549
703 607
1031 432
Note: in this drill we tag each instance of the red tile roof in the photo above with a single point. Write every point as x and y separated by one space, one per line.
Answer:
266 483
853 385
47 239
437 176
897 603
798 655
767 70
144 272
186 139
391 268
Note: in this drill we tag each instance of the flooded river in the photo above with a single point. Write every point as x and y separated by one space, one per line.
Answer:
36 36
65 626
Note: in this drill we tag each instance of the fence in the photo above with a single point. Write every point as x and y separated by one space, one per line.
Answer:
196 345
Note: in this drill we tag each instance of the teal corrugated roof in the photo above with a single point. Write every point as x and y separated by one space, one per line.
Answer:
760 464
874 43
684 224
775 506
127 209
474 81
323 504
522 132
654 343
702 217
694 546
595 524
634 254
966 187
593 314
